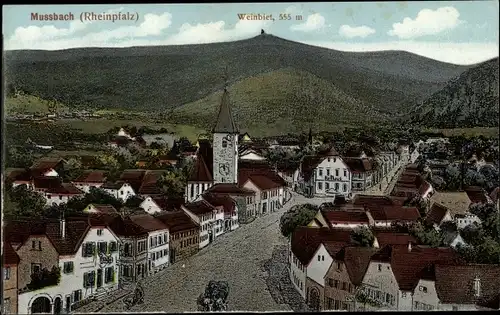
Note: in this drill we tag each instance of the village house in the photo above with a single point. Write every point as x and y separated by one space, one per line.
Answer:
230 209
324 175
207 217
343 280
269 191
244 199
290 175
463 220
343 219
477 195
311 252
10 279
61 194
383 237
362 170
47 167
119 189
158 243
100 208
437 214
90 179
386 216
246 153
153 205
184 235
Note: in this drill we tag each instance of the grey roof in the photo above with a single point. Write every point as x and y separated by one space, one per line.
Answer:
225 122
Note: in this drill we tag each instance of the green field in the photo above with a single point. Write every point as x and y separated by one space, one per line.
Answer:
29 104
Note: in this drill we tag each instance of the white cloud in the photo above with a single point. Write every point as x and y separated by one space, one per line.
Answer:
456 53
314 22
149 32
427 22
355 31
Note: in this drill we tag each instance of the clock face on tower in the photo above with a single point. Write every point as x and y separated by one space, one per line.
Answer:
224 169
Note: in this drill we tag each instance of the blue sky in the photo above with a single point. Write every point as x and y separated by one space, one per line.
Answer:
457 32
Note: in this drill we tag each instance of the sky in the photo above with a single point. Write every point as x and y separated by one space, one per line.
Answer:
459 32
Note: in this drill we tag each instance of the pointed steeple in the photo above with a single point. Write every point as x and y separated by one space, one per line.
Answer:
225 122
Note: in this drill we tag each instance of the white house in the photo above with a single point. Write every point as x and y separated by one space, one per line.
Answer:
250 154
100 208
325 175
269 191
158 244
119 190
61 194
341 219
153 205
462 220
90 179
204 214
87 258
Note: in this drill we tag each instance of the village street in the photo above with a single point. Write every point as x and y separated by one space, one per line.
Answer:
237 257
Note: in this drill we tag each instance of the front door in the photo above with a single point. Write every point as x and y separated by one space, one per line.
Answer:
99 278
264 207
314 299
68 303
57 305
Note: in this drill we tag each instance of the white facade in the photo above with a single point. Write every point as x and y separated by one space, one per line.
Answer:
72 288
331 177
250 155
51 173
206 222
123 193
85 187
195 189
298 274
57 199
414 155
158 250
380 283
219 222
468 218
319 265
150 206
266 201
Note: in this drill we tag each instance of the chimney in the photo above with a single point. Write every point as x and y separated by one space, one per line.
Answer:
409 246
63 227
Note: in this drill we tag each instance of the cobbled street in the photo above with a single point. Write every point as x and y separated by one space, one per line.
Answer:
238 257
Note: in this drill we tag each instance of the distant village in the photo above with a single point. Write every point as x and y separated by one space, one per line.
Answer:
170 204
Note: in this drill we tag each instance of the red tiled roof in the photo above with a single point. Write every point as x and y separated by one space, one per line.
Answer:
356 260
345 216
74 235
10 256
385 238
200 172
148 222
133 177
168 204
369 200
305 241
476 194
45 164
149 184
124 226
230 189
308 164
395 213
199 207
436 213
262 182
406 265
221 201
177 221
47 183
358 165
90 176
65 189
113 185
455 284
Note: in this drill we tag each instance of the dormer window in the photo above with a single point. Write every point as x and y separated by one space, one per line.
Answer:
477 287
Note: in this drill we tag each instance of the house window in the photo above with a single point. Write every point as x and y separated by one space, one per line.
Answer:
48 196
320 186
477 287
345 172
33 244
121 192
379 267
88 249
344 286
327 185
113 246
60 197
334 160
344 187
6 273
330 282
103 247
35 268
336 186
128 250
39 245
423 289
336 172
339 266
68 267
327 172
99 232
89 279
322 258
77 295
329 159
336 284
403 295
320 172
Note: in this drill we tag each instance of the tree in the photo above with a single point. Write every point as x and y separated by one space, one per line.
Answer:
452 177
26 203
214 298
133 202
362 236
420 203
427 235
172 183
155 146
299 215
73 169
491 176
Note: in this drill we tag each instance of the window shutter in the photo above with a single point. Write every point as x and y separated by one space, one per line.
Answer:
85 282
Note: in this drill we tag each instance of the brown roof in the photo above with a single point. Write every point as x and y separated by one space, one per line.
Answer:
230 189
47 183
476 194
221 201
74 235
385 238
133 177
455 284
261 174
200 172
356 260
148 222
113 185
19 174
124 226
177 221
149 183
10 256
65 189
90 176
305 241
345 216
424 187
168 204
358 165
45 164
436 213
395 213
103 208
407 265
263 182
199 207
372 200
308 164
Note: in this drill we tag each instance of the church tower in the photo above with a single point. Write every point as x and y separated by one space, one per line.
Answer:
225 144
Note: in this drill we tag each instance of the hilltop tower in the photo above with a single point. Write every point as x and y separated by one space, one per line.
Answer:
225 143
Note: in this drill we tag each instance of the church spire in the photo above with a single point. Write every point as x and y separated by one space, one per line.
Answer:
225 122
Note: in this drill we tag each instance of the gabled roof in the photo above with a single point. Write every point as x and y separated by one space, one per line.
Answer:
74 235
395 213
345 216
45 164
177 221
476 194
149 183
200 172
90 176
199 207
263 182
105 208
220 201
305 241
47 182
10 256
225 122
148 222
65 189
230 189
436 213
385 238
19 174
133 177
113 185
455 284
356 260
359 165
